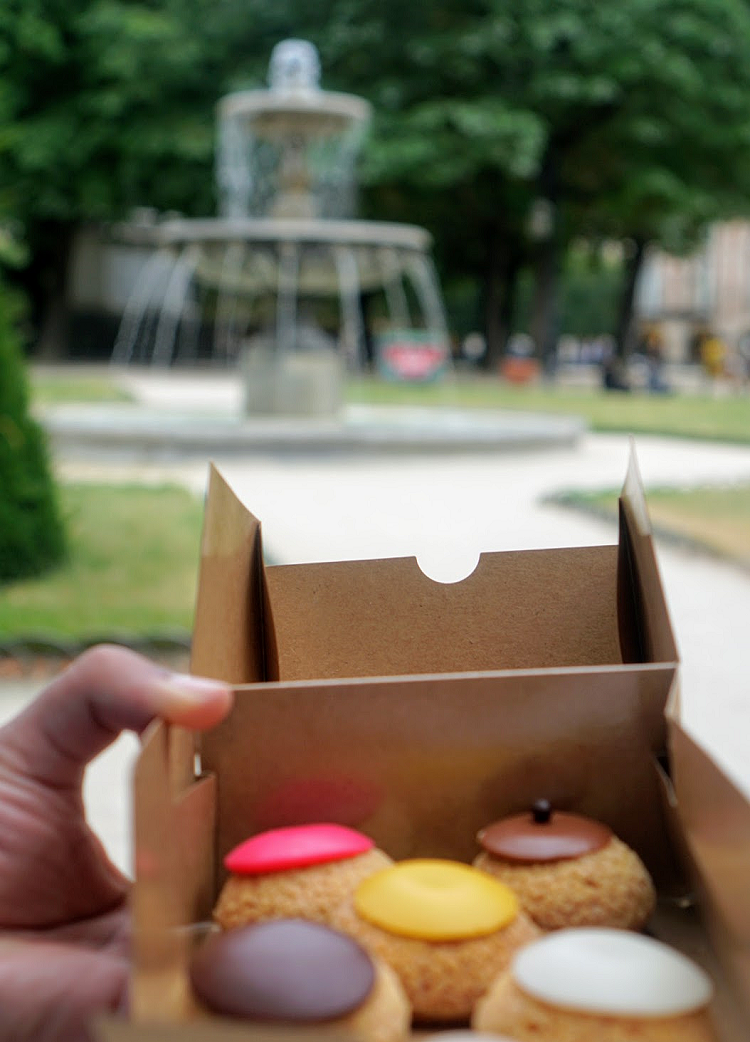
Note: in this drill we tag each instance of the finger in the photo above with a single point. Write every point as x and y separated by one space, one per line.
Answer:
107 690
50 992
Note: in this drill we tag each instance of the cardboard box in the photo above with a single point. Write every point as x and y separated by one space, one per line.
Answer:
417 711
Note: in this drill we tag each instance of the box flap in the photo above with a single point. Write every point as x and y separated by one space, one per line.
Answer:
228 639
216 1029
715 818
517 610
174 860
649 636
421 763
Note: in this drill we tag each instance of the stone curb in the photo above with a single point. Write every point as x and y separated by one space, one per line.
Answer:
41 655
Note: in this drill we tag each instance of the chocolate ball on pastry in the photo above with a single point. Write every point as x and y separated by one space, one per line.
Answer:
294 973
598 985
567 870
444 927
302 871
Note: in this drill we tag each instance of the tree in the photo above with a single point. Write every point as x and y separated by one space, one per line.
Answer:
625 120
662 174
105 105
629 119
31 530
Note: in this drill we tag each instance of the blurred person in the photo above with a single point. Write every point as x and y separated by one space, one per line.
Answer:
64 947
615 374
653 351
713 354
743 352
474 347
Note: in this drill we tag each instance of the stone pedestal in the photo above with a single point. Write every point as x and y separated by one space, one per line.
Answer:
295 383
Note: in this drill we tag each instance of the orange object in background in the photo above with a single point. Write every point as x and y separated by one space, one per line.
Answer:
519 370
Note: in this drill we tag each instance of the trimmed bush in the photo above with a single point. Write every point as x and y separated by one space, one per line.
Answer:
32 537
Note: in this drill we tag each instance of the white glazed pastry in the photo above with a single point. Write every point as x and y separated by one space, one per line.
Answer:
599 985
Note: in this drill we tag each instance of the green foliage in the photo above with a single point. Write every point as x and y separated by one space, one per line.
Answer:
131 566
589 296
631 117
703 416
31 531
103 107
640 106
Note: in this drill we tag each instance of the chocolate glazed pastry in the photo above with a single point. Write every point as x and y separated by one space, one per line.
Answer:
567 869
544 835
293 972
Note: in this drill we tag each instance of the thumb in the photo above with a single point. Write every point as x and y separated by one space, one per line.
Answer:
105 691
50 992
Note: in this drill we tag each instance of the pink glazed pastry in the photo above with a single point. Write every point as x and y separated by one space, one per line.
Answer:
303 871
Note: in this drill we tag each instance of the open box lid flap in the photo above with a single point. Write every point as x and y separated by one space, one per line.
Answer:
249 625
227 638
649 636
517 610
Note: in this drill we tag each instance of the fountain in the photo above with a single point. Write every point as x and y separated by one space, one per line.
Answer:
285 283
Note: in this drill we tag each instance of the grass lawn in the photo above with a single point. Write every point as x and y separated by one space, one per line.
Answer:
134 556
56 389
716 519
724 418
132 567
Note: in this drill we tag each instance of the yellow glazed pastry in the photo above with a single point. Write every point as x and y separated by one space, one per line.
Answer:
434 900
446 929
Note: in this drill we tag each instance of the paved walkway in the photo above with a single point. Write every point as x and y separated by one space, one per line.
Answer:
446 510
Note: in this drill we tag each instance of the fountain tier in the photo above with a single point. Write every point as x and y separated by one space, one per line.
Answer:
286 270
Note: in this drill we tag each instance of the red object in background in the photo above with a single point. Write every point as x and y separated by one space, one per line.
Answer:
411 356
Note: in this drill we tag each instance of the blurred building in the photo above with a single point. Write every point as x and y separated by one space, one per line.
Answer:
706 294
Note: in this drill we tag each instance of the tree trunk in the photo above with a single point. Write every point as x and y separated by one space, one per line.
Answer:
503 267
48 279
625 333
545 318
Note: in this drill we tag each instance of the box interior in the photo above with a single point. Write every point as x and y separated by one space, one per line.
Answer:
566 607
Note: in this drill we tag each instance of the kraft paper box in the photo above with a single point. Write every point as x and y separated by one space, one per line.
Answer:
417 712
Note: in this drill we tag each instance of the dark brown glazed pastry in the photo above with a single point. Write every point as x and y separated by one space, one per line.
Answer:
567 869
294 972
544 834
287 970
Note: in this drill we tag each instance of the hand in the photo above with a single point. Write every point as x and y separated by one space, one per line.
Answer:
63 913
